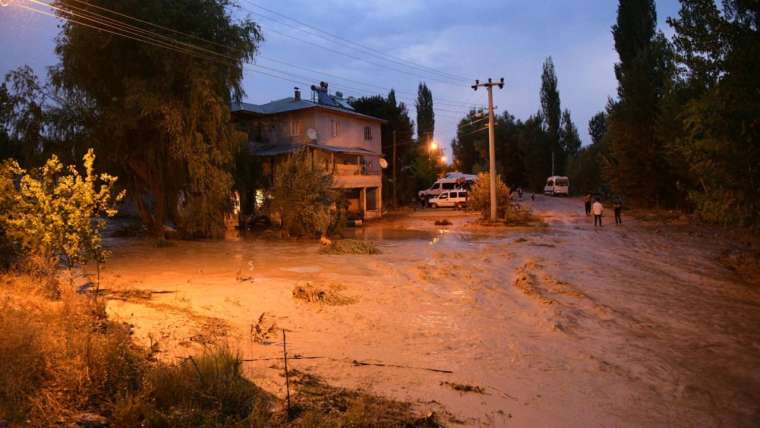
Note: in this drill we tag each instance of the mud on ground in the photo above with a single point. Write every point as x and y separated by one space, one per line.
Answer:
643 324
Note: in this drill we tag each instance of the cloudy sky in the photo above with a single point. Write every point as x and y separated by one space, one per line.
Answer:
403 42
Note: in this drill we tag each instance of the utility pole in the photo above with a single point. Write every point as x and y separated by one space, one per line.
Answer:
395 201
491 145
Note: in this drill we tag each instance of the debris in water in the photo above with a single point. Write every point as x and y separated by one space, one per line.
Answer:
265 329
463 387
324 295
350 246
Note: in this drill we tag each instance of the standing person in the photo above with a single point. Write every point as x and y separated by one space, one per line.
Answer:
618 207
597 209
587 203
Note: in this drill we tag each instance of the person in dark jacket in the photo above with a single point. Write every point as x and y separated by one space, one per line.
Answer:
618 207
587 203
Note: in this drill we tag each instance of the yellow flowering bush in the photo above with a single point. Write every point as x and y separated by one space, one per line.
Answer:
55 214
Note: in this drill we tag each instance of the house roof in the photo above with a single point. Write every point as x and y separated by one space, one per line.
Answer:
281 149
284 105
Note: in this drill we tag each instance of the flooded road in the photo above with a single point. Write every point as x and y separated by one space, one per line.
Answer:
565 325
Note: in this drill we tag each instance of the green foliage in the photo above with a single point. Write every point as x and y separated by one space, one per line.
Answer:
552 111
425 114
720 136
397 120
638 167
479 196
570 141
162 116
302 196
22 116
55 214
597 127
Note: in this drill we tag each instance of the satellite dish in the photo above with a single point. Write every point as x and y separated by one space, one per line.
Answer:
312 134
383 163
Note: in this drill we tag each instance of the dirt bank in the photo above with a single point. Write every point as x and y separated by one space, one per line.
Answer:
638 324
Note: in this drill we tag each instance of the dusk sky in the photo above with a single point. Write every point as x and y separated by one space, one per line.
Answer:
474 40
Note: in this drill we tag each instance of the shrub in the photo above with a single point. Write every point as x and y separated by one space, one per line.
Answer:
208 391
302 196
479 197
55 214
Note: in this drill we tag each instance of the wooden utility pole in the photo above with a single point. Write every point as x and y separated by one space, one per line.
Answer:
491 145
395 201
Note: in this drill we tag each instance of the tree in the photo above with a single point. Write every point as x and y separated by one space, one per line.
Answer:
470 147
510 162
720 139
638 166
697 42
597 127
570 140
535 146
162 116
303 196
397 120
22 116
552 112
425 114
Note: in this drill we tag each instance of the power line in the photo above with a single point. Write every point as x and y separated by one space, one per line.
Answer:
375 52
122 29
131 28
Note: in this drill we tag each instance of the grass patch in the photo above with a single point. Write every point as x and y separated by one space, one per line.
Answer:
350 246
444 222
62 358
329 295
209 391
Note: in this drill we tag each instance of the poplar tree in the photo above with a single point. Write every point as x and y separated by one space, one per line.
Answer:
552 111
639 168
425 113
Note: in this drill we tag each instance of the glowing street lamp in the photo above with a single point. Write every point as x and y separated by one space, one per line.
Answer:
433 146
443 159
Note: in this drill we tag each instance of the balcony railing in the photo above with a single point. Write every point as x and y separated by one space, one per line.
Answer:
355 169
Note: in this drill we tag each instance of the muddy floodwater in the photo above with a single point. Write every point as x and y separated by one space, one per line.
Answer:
563 325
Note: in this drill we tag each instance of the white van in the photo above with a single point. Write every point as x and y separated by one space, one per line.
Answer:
557 185
453 180
454 198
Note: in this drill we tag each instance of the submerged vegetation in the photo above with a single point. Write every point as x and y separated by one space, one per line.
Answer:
350 246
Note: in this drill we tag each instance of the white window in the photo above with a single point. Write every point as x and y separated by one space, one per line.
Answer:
367 133
334 127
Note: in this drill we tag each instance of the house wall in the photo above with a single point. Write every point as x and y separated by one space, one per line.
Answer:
349 170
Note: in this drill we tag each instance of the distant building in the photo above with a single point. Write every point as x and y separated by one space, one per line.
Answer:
343 142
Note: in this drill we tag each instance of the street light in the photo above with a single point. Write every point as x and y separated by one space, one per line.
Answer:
433 146
443 159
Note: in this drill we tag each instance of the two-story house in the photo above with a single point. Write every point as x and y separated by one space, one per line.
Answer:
343 142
